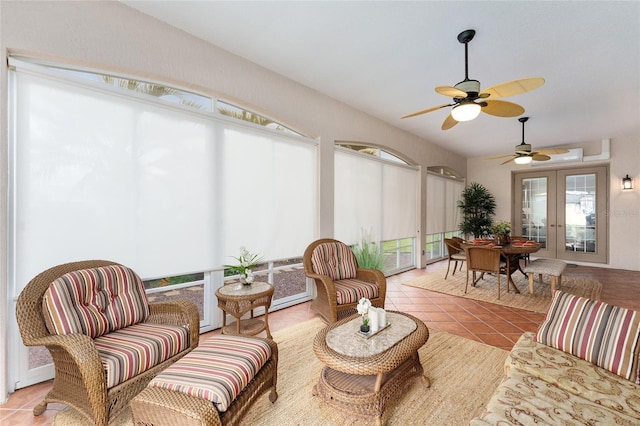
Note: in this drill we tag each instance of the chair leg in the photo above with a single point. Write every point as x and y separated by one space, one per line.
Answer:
553 284
498 278
466 284
448 265
530 275
455 265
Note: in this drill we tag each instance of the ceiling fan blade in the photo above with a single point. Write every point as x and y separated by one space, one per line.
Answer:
508 161
448 122
502 108
499 157
450 91
424 111
552 151
541 157
514 87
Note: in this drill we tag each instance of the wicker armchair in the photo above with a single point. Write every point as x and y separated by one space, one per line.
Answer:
340 282
80 377
484 260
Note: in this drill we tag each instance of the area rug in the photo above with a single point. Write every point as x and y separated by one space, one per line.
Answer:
487 291
463 375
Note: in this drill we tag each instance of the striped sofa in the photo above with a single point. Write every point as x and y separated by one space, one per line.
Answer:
340 282
579 368
107 342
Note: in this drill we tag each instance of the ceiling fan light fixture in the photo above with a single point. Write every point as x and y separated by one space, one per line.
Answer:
465 111
522 159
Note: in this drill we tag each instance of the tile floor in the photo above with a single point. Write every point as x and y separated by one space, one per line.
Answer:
481 321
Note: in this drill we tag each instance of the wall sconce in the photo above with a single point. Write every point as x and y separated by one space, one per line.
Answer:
627 182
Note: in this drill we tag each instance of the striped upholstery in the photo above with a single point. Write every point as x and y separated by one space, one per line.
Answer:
217 370
334 259
127 352
95 301
351 291
605 335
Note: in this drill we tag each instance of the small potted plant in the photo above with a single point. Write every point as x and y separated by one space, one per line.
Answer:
501 230
247 261
364 305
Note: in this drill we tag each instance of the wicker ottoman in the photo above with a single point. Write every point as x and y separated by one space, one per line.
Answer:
189 391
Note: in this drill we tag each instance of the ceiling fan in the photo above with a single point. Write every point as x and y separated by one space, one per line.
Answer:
523 153
467 92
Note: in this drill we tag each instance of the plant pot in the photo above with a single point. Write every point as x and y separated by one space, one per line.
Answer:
364 328
502 240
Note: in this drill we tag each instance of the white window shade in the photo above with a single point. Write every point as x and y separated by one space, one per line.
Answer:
442 204
399 202
374 196
101 175
268 187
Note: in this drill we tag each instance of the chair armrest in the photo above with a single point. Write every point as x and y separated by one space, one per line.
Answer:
177 312
75 351
327 282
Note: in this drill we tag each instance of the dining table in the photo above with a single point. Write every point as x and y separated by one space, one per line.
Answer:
511 252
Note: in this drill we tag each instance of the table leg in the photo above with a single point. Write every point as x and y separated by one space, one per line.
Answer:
509 279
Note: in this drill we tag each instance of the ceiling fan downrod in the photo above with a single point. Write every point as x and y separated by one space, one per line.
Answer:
465 37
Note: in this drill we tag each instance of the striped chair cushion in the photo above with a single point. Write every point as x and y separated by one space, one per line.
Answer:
334 259
128 352
95 301
605 335
350 291
217 370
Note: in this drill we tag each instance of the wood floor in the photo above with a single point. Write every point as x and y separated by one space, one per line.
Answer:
481 321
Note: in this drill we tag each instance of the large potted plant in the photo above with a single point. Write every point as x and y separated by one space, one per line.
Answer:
477 206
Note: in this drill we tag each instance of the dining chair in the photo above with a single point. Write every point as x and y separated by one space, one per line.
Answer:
484 260
455 253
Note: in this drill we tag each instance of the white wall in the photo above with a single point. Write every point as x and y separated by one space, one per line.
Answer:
624 206
114 37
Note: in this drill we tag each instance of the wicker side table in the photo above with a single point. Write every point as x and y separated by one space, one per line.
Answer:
239 299
363 375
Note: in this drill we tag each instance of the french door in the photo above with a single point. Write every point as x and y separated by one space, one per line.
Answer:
565 211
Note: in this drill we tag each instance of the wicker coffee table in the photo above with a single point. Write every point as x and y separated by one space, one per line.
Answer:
362 375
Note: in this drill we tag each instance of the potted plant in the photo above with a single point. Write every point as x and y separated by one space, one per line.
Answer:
478 206
501 230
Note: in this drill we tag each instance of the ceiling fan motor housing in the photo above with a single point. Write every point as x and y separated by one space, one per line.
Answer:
523 148
471 87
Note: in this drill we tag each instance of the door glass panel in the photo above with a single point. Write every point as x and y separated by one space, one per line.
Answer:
580 213
534 209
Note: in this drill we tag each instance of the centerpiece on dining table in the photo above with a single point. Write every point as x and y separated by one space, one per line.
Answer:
501 231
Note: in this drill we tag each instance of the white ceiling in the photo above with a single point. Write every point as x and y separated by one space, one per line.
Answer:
386 57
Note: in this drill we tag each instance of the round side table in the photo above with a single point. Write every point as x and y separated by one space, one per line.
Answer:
239 299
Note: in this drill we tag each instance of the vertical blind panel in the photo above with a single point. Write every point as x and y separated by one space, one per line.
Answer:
268 188
357 198
400 202
436 211
103 176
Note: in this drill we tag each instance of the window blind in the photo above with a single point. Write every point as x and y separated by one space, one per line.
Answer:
97 173
375 197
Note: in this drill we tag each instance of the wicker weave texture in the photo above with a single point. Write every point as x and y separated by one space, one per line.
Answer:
364 386
79 376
